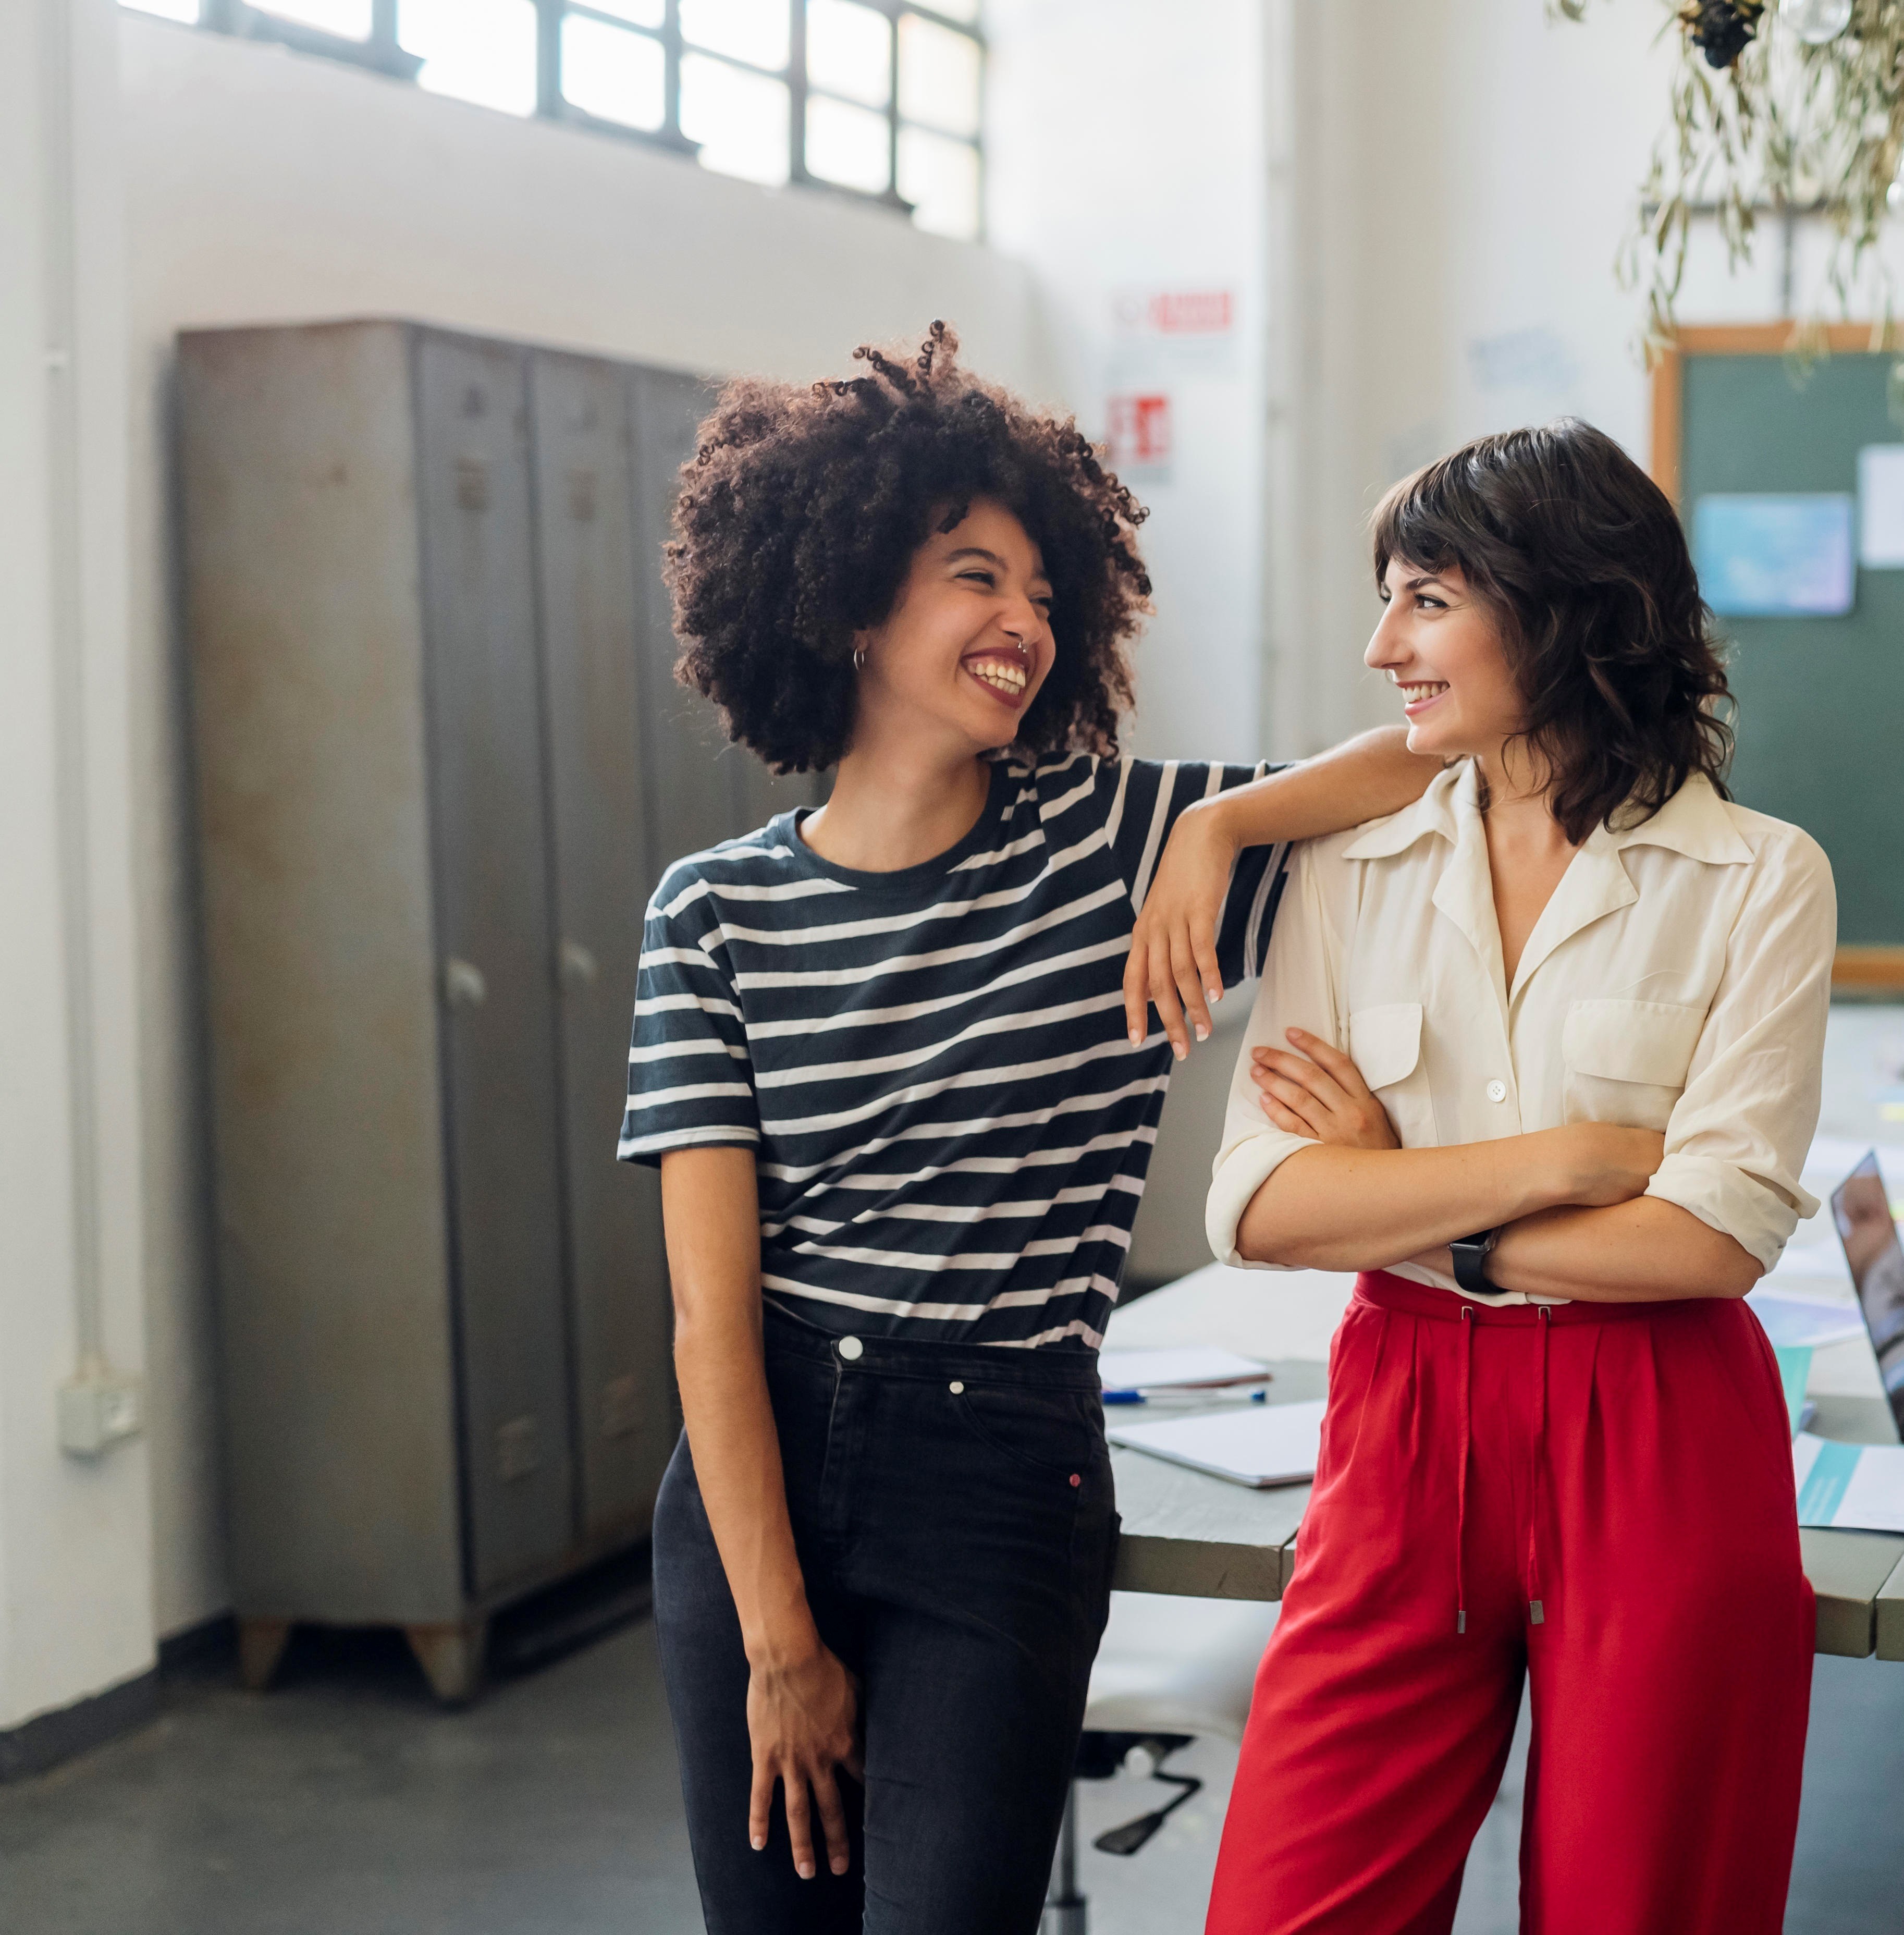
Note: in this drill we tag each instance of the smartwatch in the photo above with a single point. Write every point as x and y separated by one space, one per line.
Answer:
1470 1254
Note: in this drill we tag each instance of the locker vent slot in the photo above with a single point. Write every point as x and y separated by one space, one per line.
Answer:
473 483
516 1452
621 1407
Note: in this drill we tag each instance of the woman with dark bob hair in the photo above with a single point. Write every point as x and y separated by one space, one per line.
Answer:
882 1055
1555 1441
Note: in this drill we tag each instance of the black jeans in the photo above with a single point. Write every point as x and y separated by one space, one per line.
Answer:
953 1513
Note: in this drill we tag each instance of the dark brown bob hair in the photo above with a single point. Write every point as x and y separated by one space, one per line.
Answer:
801 512
1582 560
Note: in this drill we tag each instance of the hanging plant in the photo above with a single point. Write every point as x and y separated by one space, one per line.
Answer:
1799 108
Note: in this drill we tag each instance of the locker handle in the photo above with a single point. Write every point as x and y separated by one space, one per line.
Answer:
464 985
580 968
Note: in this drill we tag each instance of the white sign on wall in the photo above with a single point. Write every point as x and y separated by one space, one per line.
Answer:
1138 434
1174 328
1881 506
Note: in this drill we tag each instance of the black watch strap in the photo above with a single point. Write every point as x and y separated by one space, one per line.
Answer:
1470 1253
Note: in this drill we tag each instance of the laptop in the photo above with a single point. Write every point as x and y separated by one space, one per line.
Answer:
1862 1211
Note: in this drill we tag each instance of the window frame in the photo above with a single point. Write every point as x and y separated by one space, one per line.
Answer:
381 52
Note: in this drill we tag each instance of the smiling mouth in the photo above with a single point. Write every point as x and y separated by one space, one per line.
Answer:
1005 677
1420 694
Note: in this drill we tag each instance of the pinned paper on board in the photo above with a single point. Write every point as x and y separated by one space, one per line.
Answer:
1881 506
1774 557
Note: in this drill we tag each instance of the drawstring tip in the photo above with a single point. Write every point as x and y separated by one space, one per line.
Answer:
1461 1621
1536 1613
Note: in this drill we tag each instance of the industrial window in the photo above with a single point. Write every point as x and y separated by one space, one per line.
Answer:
879 99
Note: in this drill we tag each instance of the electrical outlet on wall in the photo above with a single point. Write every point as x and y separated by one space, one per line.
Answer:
97 1409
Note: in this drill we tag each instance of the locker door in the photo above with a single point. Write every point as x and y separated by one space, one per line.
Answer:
491 841
693 772
624 1402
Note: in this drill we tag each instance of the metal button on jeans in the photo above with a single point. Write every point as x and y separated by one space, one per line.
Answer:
851 1348
957 1390
1497 1092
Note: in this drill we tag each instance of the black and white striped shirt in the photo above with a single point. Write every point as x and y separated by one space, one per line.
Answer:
952 1127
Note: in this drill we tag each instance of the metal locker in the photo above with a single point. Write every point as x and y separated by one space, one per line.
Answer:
589 593
490 843
441 761
693 770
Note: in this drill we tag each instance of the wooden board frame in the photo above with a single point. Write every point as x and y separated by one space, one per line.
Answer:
1868 971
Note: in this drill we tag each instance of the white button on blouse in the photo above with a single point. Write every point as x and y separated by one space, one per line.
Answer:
1677 980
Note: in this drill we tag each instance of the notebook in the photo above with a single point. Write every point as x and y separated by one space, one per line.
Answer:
1258 1445
1193 1367
1851 1487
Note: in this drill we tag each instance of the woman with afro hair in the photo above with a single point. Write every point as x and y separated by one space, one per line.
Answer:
903 1104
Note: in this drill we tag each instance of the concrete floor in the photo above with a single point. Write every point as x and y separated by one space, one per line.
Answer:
344 1803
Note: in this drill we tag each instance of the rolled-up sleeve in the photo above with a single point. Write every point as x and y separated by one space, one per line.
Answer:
1300 977
1736 1140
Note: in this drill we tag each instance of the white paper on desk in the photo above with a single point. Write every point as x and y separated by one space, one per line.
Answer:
1194 1364
1849 1487
1804 1323
1259 1444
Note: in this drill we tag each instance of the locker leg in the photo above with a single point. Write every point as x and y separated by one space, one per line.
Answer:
451 1657
260 1650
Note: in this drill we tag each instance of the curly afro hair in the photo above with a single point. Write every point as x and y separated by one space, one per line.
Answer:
799 515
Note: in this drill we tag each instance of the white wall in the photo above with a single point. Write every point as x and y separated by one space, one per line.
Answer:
1124 150
75 1556
264 187
1453 180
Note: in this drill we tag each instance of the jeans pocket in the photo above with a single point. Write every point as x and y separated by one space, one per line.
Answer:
1043 1431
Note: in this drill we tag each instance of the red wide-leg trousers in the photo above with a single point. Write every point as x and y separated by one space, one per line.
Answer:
1600 1495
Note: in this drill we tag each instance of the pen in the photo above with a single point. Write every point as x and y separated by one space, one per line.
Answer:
1259 1396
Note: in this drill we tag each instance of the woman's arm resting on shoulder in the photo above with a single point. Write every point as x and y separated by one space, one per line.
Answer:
1644 1251
1173 950
802 1703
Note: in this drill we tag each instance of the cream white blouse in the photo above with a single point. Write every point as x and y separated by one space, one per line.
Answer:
1677 980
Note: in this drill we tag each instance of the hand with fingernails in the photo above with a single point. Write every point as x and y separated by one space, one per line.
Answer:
803 1722
1172 964
1318 1092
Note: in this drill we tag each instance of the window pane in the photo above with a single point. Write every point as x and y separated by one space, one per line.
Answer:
941 179
740 119
350 19
938 76
749 30
848 145
479 50
607 70
849 51
169 10
643 12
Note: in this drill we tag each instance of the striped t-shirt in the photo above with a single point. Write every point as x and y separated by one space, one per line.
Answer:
952 1127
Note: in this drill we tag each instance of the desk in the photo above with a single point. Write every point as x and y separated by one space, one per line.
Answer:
1186 1532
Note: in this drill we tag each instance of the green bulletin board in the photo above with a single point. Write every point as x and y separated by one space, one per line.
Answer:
1821 716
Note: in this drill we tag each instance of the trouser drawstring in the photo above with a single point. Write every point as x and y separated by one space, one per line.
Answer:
1536 1611
1461 1472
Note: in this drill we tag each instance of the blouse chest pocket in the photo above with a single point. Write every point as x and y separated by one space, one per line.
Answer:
1627 1060
1385 1044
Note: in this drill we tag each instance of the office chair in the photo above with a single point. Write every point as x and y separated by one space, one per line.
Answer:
1169 1671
